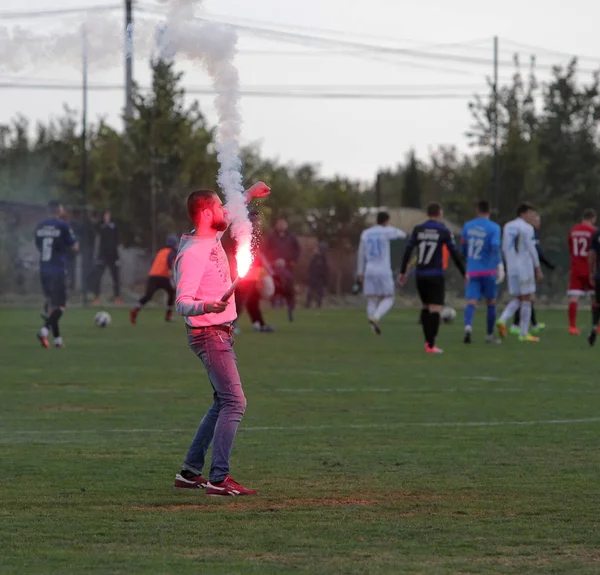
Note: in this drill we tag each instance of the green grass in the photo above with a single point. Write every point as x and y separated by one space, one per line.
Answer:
370 456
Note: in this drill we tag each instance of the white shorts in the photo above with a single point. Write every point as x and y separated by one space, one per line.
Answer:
519 285
379 285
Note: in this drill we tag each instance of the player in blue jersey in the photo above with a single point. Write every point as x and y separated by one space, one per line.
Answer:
54 240
482 247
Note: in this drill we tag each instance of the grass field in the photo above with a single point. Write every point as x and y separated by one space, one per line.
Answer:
370 456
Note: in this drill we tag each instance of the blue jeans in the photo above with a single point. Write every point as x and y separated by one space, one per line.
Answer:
219 425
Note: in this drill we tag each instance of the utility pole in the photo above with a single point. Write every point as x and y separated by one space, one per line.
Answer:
496 169
378 190
84 159
128 59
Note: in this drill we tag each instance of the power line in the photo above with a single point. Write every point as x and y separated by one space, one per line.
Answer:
550 51
470 44
272 92
311 39
58 12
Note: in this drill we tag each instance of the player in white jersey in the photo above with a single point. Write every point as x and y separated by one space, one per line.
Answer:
522 269
374 268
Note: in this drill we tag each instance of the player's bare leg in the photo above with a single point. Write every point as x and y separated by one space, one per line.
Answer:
573 304
431 328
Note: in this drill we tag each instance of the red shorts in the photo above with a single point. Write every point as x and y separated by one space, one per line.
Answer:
580 285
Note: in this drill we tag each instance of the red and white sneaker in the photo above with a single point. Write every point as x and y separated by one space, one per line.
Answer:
433 349
195 482
228 488
133 315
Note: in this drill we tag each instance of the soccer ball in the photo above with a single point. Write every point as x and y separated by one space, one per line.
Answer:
102 319
448 314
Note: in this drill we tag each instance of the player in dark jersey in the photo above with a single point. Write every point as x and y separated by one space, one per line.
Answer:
54 240
429 239
595 283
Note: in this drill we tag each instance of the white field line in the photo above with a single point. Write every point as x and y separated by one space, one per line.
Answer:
454 424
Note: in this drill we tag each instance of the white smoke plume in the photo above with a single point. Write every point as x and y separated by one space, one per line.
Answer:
23 49
181 35
215 47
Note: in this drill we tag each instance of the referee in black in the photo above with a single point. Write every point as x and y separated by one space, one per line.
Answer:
429 238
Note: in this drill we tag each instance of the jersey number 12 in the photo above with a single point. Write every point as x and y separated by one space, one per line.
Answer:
475 247
580 247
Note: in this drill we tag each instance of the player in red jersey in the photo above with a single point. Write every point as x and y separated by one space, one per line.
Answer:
580 238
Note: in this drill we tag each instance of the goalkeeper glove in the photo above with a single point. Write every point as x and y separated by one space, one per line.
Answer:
357 287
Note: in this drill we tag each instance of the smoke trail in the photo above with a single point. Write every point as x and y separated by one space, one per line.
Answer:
22 49
215 47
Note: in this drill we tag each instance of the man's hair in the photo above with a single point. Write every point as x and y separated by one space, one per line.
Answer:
434 209
589 214
382 218
53 206
524 208
199 200
483 207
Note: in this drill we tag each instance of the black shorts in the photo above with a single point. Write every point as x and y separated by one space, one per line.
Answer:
156 283
54 286
431 290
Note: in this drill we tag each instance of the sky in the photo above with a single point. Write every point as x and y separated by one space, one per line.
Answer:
348 137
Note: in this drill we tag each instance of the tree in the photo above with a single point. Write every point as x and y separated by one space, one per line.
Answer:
411 193
168 151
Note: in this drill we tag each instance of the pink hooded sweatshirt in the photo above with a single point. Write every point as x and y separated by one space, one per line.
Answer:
202 274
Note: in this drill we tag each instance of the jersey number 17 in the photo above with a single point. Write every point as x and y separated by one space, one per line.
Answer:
426 251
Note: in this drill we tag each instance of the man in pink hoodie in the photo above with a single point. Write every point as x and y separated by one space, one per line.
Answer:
202 277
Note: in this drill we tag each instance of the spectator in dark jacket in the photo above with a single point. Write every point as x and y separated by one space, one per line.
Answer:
282 250
318 275
107 256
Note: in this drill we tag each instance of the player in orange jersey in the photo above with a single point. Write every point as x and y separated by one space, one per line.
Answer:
580 238
159 278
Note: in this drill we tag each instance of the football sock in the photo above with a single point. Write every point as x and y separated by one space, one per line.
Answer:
525 317
469 315
533 318
44 332
384 306
572 314
371 307
425 323
53 322
595 315
434 321
491 319
510 310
